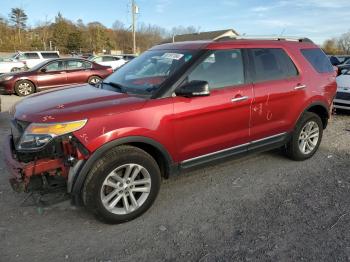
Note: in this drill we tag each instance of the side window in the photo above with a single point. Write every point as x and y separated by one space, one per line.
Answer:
49 55
221 68
272 64
108 58
54 66
97 59
75 64
318 60
31 56
87 65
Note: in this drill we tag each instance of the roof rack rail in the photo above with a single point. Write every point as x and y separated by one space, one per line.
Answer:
277 38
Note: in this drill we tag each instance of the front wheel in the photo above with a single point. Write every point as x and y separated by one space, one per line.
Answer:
122 185
306 137
24 88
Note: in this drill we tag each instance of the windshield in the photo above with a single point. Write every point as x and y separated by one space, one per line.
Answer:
144 74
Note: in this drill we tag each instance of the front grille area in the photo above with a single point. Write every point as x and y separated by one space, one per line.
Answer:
341 104
343 96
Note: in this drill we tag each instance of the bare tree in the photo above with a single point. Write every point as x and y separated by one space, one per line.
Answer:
344 43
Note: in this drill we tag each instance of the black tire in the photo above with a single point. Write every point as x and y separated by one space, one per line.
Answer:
94 80
292 148
113 159
24 88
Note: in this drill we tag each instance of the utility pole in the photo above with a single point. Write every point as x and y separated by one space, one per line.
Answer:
134 11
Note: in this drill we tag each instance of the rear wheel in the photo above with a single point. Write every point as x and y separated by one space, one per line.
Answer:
24 88
94 80
122 185
306 137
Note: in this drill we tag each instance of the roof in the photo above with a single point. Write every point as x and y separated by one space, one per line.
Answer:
210 35
193 45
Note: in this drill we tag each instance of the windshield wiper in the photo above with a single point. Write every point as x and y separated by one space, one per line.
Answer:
115 85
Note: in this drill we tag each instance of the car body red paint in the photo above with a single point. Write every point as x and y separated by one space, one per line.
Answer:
188 128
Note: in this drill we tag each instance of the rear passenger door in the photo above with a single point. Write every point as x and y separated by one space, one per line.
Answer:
78 71
219 123
278 89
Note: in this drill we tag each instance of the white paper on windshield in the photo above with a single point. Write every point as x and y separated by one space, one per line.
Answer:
173 56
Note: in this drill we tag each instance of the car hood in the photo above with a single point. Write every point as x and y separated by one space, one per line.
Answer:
74 103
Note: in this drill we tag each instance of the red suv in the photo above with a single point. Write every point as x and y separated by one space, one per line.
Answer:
174 107
53 73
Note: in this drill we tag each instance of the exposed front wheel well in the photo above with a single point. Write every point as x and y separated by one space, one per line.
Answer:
322 112
156 154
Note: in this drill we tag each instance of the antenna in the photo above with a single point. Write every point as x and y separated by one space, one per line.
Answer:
282 32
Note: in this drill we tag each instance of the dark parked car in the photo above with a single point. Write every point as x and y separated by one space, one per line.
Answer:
53 73
344 66
334 60
175 107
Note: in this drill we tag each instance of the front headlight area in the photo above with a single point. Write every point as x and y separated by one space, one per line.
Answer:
38 135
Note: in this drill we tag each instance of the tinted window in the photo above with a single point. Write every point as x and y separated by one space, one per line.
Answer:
272 64
31 56
220 69
77 64
49 55
97 59
54 66
318 60
108 58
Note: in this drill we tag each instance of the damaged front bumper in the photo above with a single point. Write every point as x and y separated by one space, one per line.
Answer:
39 174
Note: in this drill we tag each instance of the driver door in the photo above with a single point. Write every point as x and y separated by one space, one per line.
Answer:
52 75
211 126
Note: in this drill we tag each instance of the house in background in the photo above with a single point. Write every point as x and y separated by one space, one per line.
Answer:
210 35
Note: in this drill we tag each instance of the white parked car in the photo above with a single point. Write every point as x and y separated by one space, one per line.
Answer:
113 61
8 65
33 58
342 99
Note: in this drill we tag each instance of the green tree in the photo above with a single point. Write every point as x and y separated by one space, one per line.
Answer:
18 18
74 41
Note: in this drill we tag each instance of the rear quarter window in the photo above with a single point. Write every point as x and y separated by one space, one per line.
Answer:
318 60
50 55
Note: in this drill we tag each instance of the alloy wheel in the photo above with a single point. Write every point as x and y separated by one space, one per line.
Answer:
95 81
125 189
25 89
308 137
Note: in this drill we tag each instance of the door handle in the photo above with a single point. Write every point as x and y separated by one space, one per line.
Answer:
63 72
298 87
238 99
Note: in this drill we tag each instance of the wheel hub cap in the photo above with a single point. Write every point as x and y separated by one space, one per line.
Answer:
24 88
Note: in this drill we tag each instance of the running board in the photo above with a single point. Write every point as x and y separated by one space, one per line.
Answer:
264 144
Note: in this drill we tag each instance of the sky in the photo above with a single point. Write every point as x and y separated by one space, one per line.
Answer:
316 19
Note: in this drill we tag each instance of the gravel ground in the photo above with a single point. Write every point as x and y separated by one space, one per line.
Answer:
263 207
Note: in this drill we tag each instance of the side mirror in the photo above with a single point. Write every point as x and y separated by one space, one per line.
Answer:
43 70
193 88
